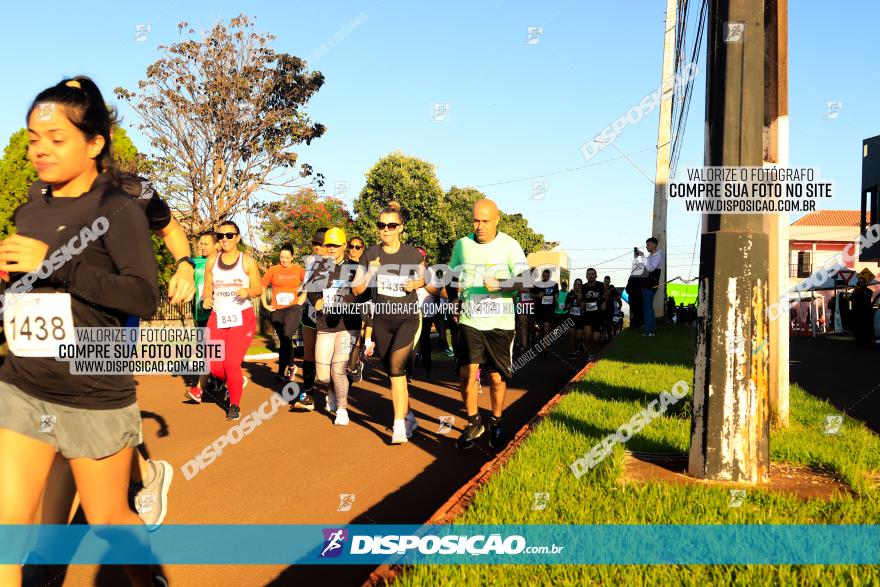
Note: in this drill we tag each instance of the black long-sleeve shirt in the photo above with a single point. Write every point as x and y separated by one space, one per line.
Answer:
154 207
114 276
339 277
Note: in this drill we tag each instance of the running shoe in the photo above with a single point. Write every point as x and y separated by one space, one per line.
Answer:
194 393
341 418
151 502
331 405
233 413
356 375
470 434
159 580
398 433
410 424
304 402
497 438
291 372
449 352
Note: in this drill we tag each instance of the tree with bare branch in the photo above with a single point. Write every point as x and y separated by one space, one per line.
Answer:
223 115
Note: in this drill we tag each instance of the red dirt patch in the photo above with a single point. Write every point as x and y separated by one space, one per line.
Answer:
798 480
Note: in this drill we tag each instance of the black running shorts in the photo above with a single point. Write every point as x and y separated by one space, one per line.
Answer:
593 319
493 348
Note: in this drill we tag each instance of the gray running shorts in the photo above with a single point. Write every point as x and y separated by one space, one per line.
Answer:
74 432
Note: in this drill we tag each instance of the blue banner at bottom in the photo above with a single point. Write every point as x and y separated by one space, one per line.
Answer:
443 544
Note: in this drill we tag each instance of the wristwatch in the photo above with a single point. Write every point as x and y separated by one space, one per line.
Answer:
187 260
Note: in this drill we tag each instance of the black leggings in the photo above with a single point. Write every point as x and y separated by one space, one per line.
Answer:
395 338
285 322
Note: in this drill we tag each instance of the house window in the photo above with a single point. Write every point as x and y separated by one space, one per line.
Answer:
804 265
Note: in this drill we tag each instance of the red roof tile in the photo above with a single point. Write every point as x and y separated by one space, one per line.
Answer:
830 218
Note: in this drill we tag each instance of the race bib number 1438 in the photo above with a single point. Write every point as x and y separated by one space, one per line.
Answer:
36 324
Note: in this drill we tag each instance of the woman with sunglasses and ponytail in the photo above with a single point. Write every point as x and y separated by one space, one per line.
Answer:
84 254
231 280
395 270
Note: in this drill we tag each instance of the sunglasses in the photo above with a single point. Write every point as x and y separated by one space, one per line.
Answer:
356 247
226 235
390 225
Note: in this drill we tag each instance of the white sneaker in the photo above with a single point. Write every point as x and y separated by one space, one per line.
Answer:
331 404
410 424
398 433
341 418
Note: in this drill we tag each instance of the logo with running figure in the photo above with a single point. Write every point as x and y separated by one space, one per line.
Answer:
47 423
334 538
346 500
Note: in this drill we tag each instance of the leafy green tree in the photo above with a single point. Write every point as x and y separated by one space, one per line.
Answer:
295 218
461 204
16 176
413 184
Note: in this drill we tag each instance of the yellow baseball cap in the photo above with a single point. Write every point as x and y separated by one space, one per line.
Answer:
335 236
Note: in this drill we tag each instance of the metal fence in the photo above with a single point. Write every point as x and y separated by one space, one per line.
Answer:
182 314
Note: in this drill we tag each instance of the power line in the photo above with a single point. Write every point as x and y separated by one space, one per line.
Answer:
568 170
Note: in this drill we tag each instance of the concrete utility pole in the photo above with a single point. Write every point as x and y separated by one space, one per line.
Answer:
776 153
664 144
731 424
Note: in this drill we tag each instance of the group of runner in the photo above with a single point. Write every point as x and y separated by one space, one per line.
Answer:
594 308
63 434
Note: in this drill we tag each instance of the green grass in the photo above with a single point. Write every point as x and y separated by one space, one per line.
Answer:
634 372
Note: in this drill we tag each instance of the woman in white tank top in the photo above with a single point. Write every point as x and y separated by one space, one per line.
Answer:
231 280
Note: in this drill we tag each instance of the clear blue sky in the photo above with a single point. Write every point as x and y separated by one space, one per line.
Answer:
517 110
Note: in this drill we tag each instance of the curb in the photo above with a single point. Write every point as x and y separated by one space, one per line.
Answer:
386 574
260 357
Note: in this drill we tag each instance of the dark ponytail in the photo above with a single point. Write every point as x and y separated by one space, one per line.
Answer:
84 106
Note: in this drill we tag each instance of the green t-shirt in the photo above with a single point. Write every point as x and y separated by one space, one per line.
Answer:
502 258
199 313
560 302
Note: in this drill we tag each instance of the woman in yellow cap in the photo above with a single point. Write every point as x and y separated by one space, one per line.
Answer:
395 270
338 322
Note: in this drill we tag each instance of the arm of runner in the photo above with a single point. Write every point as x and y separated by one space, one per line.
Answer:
414 284
22 254
265 282
208 289
363 278
181 286
135 289
254 288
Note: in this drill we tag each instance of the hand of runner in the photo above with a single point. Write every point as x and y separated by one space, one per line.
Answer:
181 286
22 254
375 264
319 304
410 285
270 307
242 294
369 346
208 303
301 299
491 283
